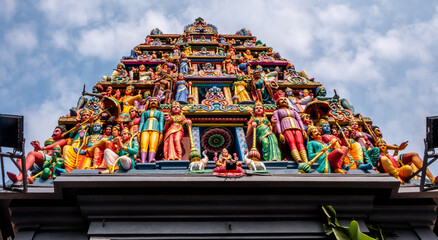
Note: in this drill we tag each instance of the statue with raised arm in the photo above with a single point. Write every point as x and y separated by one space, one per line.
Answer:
41 154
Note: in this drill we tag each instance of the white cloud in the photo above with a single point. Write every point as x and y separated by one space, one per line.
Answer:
8 9
22 37
71 13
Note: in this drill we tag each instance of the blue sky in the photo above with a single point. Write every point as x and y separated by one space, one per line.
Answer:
380 55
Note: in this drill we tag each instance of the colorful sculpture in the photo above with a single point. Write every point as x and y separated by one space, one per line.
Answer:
124 157
182 88
265 137
38 158
78 135
227 165
215 95
174 133
151 128
330 160
240 89
290 129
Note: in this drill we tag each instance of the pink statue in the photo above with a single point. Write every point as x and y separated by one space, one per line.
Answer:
174 133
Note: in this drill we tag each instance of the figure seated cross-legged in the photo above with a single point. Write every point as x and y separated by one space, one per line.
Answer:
124 156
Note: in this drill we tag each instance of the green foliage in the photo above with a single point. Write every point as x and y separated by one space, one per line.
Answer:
340 232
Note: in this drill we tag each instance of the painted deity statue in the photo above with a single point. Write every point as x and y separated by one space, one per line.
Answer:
120 75
181 87
243 67
265 137
248 56
184 64
261 88
129 99
78 137
174 128
95 159
124 156
225 159
151 128
228 66
162 86
332 159
321 94
392 166
112 140
364 139
293 102
355 158
240 89
412 159
37 157
290 129
53 166
144 75
358 154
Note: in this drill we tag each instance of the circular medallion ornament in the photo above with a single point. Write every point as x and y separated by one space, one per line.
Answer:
215 139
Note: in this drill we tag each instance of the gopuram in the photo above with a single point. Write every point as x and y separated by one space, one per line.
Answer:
211 136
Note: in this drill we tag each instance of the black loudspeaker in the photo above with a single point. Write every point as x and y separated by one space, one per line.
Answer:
11 131
432 132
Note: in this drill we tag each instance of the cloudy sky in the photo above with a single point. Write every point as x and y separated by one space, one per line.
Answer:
380 55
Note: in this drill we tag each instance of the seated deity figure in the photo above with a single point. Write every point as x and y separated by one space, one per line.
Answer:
37 157
293 102
124 156
120 75
129 99
412 159
169 66
290 129
359 155
248 55
364 139
78 138
321 93
53 166
261 126
243 67
144 75
95 154
225 159
388 164
174 132
332 159
112 140
355 158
